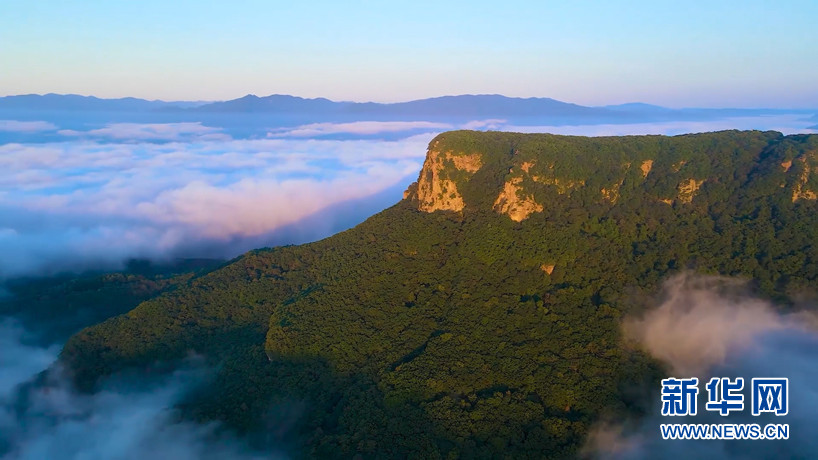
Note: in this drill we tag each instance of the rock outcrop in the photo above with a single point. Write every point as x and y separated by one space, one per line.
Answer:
801 190
647 165
514 202
436 188
688 189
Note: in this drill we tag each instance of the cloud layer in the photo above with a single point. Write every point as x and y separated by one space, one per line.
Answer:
84 199
359 128
26 126
787 124
151 131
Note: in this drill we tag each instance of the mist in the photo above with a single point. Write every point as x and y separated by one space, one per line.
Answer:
706 326
20 361
43 417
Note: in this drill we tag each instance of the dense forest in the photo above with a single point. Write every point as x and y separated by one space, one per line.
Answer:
480 316
54 307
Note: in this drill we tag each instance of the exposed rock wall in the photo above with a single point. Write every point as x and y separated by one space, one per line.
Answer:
435 189
801 189
514 202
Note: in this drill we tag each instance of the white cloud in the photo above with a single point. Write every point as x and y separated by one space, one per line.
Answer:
364 128
787 124
152 131
493 124
359 128
703 320
26 126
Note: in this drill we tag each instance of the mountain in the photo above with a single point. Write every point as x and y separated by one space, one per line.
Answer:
480 316
458 106
475 106
465 107
77 103
495 105
449 106
274 103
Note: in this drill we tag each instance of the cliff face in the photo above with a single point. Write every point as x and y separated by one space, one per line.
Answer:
436 188
529 171
803 180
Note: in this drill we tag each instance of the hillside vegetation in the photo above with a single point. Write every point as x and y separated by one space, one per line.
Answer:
54 307
480 316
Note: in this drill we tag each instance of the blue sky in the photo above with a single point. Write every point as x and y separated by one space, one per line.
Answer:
686 53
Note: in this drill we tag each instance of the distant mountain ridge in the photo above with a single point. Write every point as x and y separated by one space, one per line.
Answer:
467 105
75 102
472 105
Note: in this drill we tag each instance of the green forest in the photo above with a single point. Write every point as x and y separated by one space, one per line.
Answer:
465 333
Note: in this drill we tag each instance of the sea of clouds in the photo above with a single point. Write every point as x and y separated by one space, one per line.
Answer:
131 190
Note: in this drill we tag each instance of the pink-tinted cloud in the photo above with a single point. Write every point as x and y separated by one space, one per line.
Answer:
110 201
253 206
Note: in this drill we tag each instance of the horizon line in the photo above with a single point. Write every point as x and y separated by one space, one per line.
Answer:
212 101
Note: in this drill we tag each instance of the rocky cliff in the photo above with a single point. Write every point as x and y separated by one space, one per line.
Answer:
538 168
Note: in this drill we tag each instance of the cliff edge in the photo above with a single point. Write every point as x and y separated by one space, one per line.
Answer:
518 175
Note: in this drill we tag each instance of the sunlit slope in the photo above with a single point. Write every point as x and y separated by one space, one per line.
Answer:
480 315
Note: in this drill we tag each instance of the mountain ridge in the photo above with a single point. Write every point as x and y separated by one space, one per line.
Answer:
76 102
477 105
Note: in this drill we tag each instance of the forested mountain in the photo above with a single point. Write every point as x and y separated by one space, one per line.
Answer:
480 316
